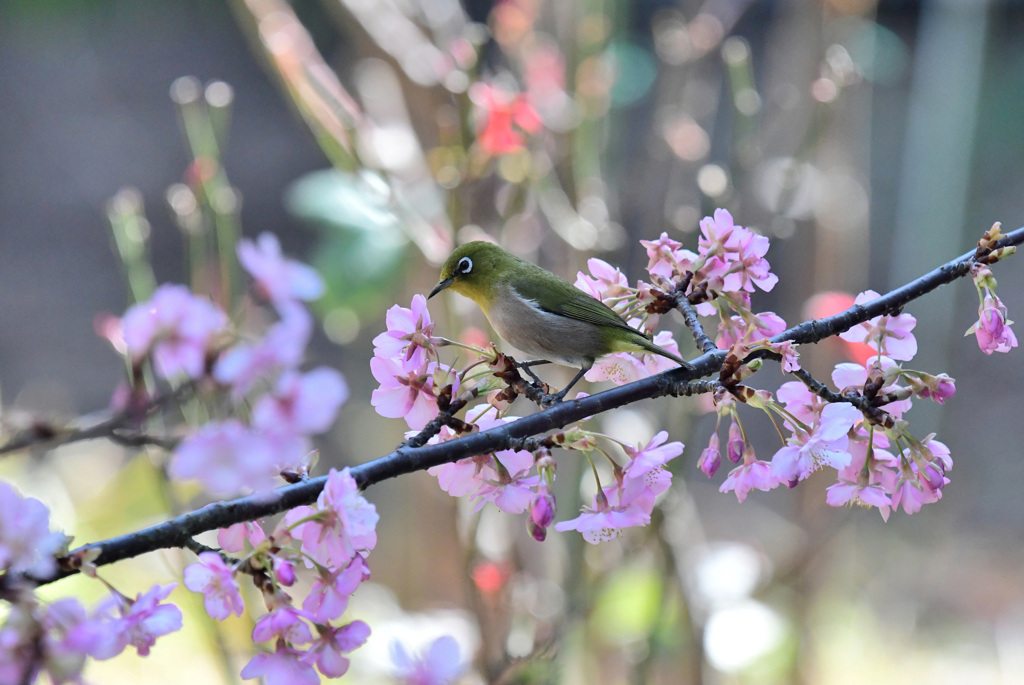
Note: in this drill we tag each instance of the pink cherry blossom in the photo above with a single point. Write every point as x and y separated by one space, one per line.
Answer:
26 543
993 327
409 335
655 363
667 259
863 494
141 622
342 524
620 368
233 538
302 403
609 514
176 327
328 597
646 466
737 329
751 475
404 392
604 282
734 256
282 347
281 667
803 404
441 664
852 376
278 279
825 445
890 335
912 494
749 267
69 636
216 581
226 457
502 478
328 649
285 622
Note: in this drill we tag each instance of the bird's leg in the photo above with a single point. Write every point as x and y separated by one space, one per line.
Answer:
560 395
525 366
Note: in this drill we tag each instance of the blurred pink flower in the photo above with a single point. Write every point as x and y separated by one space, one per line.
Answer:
26 543
282 347
176 327
328 598
302 403
141 622
440 665
332 643
281 667
278 279
226 457
285 622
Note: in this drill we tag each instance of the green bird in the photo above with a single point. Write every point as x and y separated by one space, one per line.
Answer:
539 313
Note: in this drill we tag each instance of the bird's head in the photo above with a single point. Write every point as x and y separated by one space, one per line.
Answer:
473 270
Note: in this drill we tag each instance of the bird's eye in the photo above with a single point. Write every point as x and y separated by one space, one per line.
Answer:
465 265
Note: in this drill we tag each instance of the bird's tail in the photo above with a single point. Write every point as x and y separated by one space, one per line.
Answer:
648 346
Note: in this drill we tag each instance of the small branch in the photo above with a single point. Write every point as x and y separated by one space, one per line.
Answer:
675 382
52 436
705 343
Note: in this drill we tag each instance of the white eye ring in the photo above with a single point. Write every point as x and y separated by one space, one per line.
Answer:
465 265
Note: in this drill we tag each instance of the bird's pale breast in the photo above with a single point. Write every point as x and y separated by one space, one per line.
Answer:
541 334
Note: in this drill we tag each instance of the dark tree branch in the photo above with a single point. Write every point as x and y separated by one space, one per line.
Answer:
178 531
112 428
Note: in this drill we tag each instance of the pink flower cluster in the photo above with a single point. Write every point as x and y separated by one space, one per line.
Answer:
502 478
840 436
27 545
406 366
332 539
179 332
58 638
629 501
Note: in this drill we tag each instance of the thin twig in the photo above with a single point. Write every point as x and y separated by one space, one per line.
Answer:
52 436
705 343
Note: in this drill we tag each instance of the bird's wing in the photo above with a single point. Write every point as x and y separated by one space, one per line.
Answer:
579 305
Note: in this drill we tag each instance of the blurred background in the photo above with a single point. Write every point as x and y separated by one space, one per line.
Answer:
872 141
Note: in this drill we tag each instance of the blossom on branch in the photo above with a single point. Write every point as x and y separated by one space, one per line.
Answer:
890 335
216 581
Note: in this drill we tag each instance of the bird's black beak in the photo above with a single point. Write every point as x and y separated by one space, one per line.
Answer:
441 286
